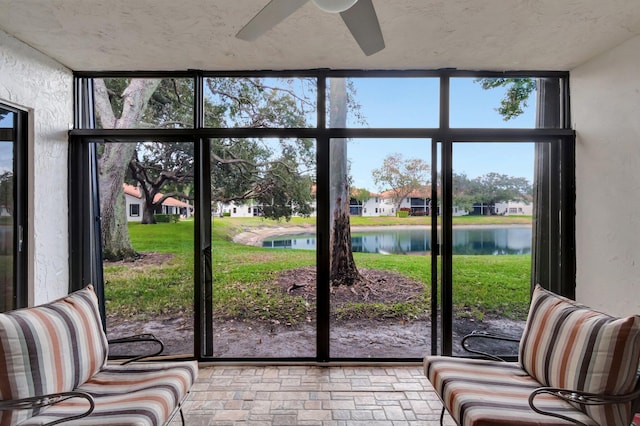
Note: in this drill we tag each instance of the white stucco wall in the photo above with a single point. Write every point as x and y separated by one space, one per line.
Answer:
605 103
34 82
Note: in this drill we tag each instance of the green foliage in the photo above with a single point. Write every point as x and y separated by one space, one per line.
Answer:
490 188
272 173
162 170
167 218
6 191
360 194
516 96
255 102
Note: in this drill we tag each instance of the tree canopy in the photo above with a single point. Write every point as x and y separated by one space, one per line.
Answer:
161 170
490 188
401 176
273 173
518 91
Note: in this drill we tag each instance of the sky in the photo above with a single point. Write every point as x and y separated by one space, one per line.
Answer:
414 103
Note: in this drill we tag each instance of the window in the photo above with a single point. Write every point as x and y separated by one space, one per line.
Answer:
134 210
233 151
13 208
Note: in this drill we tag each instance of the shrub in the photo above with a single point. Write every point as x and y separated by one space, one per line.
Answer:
167 218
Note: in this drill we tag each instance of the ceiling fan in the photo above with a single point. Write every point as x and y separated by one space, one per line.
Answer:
359 16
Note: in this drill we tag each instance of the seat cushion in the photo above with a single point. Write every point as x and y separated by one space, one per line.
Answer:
50 348
137 394
568 345
493 393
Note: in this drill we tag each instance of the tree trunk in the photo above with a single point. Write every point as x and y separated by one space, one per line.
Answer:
114 161
148 209
343 268
115 233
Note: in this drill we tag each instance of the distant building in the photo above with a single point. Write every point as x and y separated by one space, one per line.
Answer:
514 208
417 203
133 199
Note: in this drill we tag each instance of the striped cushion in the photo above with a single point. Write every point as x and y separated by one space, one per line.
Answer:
50 348
483 393
568 345
140 394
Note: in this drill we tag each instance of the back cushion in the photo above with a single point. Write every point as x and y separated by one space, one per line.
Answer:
50 348
567 345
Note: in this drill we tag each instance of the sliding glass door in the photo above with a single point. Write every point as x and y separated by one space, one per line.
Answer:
13 283
492 196
385 311
322 215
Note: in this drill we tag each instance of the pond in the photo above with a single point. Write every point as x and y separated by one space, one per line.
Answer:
469 240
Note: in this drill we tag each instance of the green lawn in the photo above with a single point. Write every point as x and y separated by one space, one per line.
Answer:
483 285
240 224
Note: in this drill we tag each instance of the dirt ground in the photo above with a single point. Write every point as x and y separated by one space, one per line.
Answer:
351 337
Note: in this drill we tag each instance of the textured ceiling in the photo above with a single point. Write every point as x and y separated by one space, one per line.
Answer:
88 35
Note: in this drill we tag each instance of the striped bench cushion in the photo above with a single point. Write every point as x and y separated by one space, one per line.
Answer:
50 348
568 345
137 394
492 393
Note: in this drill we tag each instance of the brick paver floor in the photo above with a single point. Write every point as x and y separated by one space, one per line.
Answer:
308 395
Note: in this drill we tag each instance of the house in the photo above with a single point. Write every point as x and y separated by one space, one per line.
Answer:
376 205
246 208
514 208
237 209
133 199
49 50
504 208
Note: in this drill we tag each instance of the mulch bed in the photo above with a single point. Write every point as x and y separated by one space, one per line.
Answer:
376 286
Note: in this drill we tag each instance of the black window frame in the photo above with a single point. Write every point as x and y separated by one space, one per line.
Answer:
18 134
87 268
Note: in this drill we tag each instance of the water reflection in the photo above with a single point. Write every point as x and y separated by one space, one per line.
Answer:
482 240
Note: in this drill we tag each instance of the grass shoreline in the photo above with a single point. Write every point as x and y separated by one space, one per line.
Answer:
243 275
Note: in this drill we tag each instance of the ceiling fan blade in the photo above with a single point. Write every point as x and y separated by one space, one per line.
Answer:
362 21
274 12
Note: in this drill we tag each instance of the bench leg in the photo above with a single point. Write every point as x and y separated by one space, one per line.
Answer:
182 416
442 416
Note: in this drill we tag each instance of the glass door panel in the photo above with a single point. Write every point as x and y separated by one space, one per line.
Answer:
491 240
147 188
7 208
381 284
264 279
436 249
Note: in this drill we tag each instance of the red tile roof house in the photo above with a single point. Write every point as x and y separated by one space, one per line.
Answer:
171 205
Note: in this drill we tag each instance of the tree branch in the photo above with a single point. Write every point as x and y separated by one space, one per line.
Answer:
102 104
